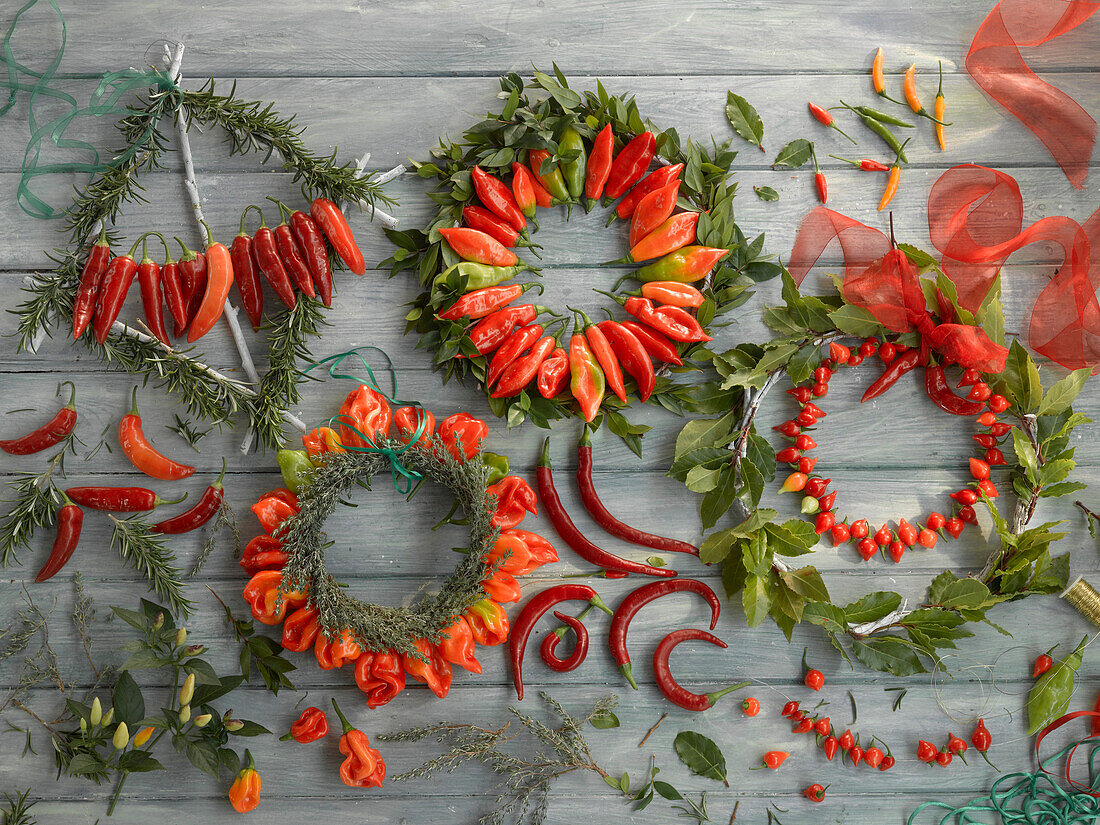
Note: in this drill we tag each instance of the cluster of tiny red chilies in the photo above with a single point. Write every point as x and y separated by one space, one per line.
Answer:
142 454
899 359
292 256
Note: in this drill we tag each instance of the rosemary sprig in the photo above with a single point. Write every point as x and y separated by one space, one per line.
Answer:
147 551
187 431
224 521
34 505
16 809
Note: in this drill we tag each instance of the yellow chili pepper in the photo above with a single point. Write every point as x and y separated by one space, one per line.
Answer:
892 180
909 86
142 736
939 111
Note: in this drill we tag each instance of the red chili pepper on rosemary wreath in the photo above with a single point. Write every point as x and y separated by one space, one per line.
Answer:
152 301
669 687
265 250
143 455
642 596
192 283
50 434
203 510
584 548
112 292
219 278
70 518
291 254
335 226
246 274
91 276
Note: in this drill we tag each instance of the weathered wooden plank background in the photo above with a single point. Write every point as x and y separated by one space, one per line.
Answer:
389 77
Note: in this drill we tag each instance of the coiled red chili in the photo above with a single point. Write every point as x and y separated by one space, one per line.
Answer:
639 598
669 687
205 508
50 434
935 384
70 518
552 639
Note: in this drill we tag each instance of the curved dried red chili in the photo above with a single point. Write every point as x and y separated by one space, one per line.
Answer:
580 647
669 687
50 434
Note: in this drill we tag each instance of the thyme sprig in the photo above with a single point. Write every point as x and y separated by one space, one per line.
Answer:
148 552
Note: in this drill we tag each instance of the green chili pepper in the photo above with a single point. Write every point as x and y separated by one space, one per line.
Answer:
881 117
478 276
497 464
1049 696
297 469
888 137
574 170
553 181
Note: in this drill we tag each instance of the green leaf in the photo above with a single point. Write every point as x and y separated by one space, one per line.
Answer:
826 615
766 193
855 321
1025 454
701 755
145 659
1063 393
567 98
604 720
127 700
744 119
792 538
666 791
872 607
794 155
919 258
888 654
718 500
1049 697
204 756
249 728
139 762
756 599
701 479
807 582
964 594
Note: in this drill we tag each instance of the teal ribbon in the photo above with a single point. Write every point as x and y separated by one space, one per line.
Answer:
404 478
105 100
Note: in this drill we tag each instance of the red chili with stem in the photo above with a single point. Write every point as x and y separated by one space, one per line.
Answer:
630 164
335 226
291 254
516 343
50 434
246 274
172 284
632 355
603 516
820 184
825 118
866 164
550 643
601 348
192 283
573 536
152 301
143 455
312 244
203 510
481 219
639 598
534 610
118 499
657 179
524 369
497 198
70 518
91 276
669 687
599 165
658 346
902 364
937 388
219 278
265 251
112 292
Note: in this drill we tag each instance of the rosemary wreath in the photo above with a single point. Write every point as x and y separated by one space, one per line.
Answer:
729 464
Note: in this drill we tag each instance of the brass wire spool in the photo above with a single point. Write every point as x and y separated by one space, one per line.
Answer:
1084 598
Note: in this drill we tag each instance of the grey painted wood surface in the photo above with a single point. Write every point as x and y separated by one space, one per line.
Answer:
389 78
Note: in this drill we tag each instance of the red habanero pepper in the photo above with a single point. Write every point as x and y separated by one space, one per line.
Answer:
652 211
501 587
301 628
481 219
686 265
514 345
363 767
537 607
380 676
512 555
433 670
118 499
937 388
265 250
152 301
408 420
332 654
112 292
312 244
291 254
70 518
672 293
632 356
542 552
335 226
514 498
272 510
219 278
905 362
675 233
488 622
458 647
630 164
267 604
50 434
553 374
524 369
91 276
637 599
497 198
551 640
462 435
552 181
866 164
143 455
825 118
668 686
309 727
192 283
605 356
528 192
364 415
658 346
481 302
246 274
586 381
659 180
203 510
602 515
672 322
477 246
599 165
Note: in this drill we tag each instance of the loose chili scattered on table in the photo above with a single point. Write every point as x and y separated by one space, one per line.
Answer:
70 518
204 509
50 434
143 455
668 685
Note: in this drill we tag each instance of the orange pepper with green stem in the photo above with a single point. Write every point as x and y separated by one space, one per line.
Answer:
528 192
909 86
892 180
363 767
514 498
605 355
244 793
219 277
939 110
672 293
587 382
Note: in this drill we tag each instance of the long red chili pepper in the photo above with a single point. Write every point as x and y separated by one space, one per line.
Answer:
550 644
50 434
652 211
639 598
935 384
669 686
119 499
482 302
90 279
675 233
534 610
632 355
528 192
894 370
112 292
70 518
291 254
657 345
192 283
480 218
605 355
480 247
491 331
312 244
335 226
866 164
521 372
246 274
630 164
672 322
142 454
266 251
498 198
655 180
599 165
573 537
203 510
173 288
515 344
602 515
152 302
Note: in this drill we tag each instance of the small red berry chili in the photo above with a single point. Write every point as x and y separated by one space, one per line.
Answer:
750 706
815 792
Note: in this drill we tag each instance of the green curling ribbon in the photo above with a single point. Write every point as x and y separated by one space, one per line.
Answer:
403 477
105 100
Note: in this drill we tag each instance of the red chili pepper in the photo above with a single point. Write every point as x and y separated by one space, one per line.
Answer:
309 727
814 679
587 382
246 274
266 253
481 219
1094 722
676 232
433 670
152 303
943 758
173 289
142 454
512 555
291 254
312 245
956 745
815 792
604 352
534 610
652 211
274 508
462 435
192 283
603 516
926 751
262 552
866 164
668 686
573 537
750 707
268 605
773 759
981 737
658 346
657 180
642 596
301 627
497 198
481 302
477 246
219 269
632 355
363 767
887 763
335 226
524 369
599 165
492 330
846 741
380 676
204 510
50 434
118 499
691 263
70 518
830 746
553 374
334 653
528 192
630 164
822 187
112 293
548 648
407 421
457 646
937 388
516 343
91 277
896 369
825 118
672 322
514 498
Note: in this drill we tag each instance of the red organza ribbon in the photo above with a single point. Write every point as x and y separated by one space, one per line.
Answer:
995 63
1090 740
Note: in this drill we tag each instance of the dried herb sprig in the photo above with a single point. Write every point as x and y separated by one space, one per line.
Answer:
147 551
224 522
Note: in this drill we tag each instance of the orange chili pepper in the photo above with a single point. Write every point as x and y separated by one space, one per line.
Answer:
407 421
262 595
502 587
273 510
364 410
488 622
335 653
458 647
939 110
587 382
675 233
142 454
672 293
877 80
892 180
363 767
542 552
219 277
433 670
462 435
244 793
605 357
909 86
512 555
